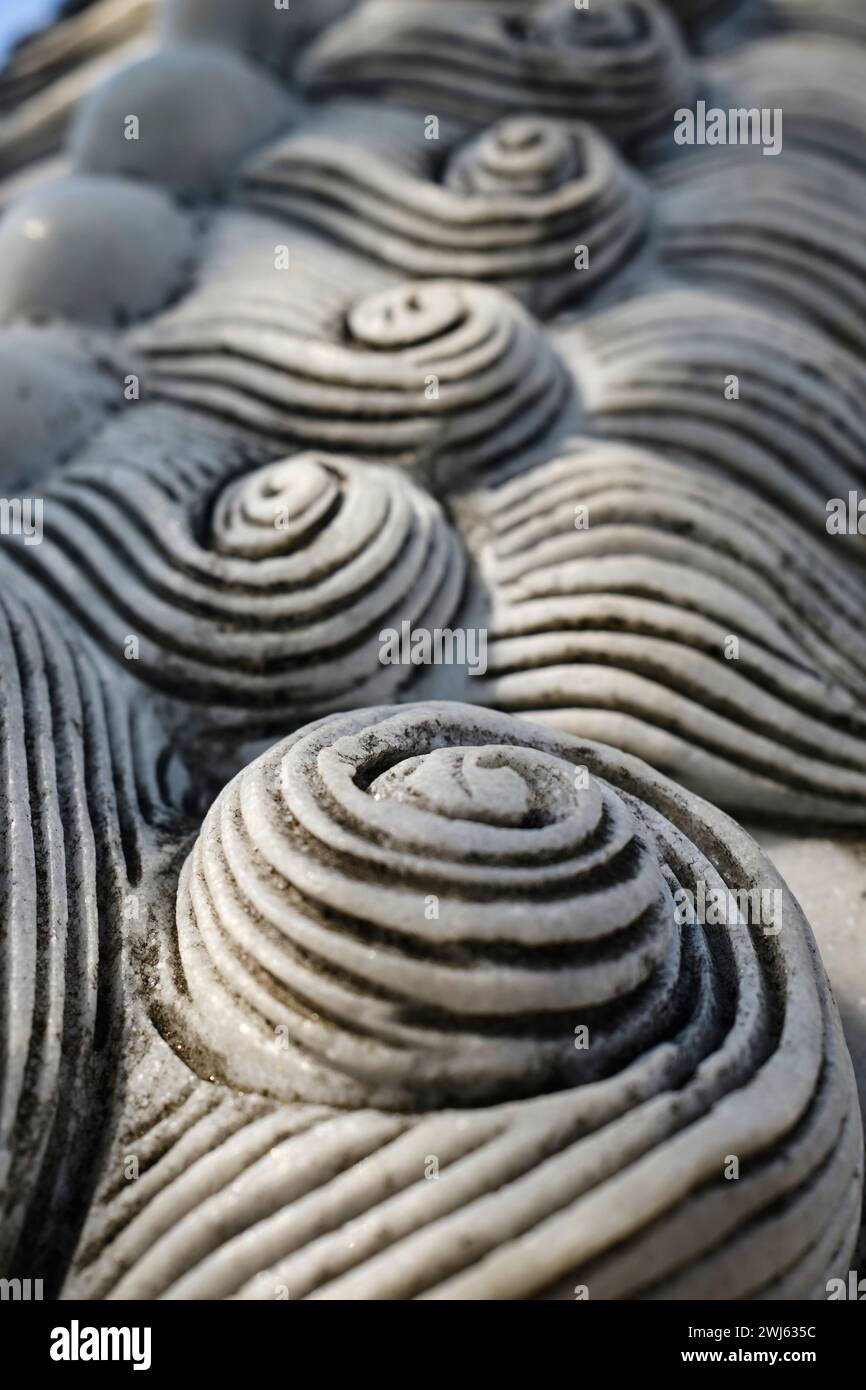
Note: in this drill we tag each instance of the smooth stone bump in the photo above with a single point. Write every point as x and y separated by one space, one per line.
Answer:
94 250
53 396
200 111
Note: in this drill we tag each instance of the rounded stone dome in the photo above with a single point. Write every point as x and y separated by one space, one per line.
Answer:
54 393
183 117
95 250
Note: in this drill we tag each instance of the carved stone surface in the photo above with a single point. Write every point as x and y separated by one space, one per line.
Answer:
653 371
508 207
622 629
306 966
443 378
621 67
74 816
387 333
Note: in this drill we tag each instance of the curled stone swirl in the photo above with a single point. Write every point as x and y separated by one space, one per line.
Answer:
441 377
552 903
305 970
270 604
624 67
512 206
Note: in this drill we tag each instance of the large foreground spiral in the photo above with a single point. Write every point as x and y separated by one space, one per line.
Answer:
450 942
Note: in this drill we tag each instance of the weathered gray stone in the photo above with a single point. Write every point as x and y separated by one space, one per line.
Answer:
630 603
281 980
199 110
56 388
93 250
306 966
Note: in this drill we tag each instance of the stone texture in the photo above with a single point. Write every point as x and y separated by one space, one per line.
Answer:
303 365
200 110
93 250
628 602
56 389
304 967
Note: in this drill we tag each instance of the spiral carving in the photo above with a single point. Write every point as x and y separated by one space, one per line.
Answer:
563 903
273 511
519 154
271 607
308 968
630 604
513 205
440 377
623 67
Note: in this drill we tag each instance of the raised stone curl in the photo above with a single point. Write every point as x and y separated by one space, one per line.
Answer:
512 206
440 377
305 967
268 603
623 68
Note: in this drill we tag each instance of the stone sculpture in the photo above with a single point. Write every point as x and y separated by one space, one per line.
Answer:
330 338
369 1035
